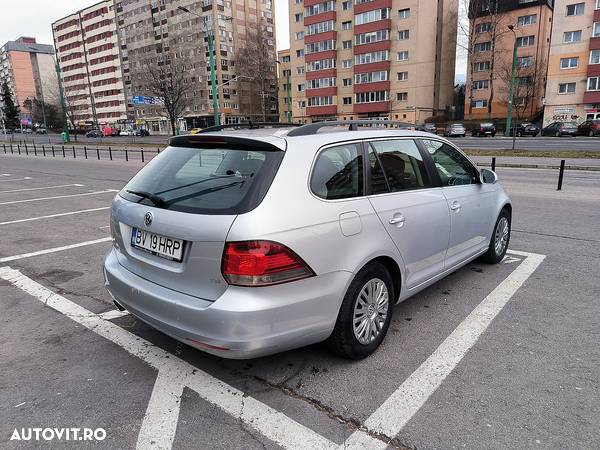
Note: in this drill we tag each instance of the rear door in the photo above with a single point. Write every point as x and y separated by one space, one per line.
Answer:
188 198
469 202
413 212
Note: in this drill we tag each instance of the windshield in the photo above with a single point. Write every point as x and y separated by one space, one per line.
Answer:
205 180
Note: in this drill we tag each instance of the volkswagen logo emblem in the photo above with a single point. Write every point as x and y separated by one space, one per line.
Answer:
148 218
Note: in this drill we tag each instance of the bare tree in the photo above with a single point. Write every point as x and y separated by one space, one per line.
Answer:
255 62
166 81
481 22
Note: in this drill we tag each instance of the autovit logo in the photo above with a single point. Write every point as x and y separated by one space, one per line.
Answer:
58 434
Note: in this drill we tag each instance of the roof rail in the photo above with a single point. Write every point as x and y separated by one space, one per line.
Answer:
353 125
248 125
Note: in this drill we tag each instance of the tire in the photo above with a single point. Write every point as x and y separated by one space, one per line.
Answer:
591 133
496 253
557 134
519 134
344 340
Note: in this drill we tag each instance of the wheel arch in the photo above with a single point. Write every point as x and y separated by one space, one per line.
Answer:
393 268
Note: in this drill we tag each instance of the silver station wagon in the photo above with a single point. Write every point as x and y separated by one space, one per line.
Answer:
244 242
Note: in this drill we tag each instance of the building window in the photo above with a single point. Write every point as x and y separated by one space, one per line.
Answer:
346 45
525 61
371 77
320 65
372 97
402 76
299 35
347 81
524 81
319 8
286 59
595 55
321 46
481 66
403 35
321 83
320 27
572 36
374 36
481 47
483 27
479 103
366 58
347 25
347 100
320 101
593 84
402 96
346 5
575 9
525 41
403 56
346 63
300 70
300 87
404 13
299 53
372 16
529 19
298 17
596 30
480 84
567 88
569 63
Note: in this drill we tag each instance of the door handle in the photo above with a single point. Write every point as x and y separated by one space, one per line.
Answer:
455 206
397 220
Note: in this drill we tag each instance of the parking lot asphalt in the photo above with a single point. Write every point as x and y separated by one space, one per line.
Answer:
490 357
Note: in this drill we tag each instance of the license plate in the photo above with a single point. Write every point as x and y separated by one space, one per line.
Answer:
158 245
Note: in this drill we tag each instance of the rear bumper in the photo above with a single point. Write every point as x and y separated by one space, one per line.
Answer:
243 322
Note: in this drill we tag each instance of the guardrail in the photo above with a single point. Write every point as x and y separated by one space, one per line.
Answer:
82 151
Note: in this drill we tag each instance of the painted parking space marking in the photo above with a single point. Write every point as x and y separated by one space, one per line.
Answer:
42 188
104 191
113 314
15 179
53 250
405 402
174 375
51 216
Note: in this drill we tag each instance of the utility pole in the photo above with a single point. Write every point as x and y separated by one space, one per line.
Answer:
210 34
512 87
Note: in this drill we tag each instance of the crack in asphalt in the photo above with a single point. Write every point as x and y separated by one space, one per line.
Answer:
556 235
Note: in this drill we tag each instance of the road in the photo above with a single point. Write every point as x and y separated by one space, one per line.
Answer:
582 143
529 380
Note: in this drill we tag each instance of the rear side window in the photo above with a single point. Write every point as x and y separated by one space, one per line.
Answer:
205 180
452 166
338 173
396 165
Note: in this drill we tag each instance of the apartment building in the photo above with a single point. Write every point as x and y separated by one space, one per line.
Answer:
573 87
284 90
156 32
28 69
87 49
490 56
356 59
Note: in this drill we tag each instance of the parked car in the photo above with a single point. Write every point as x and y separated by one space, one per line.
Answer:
484 129
455 129
429 128
27 130
41 131
142 132
125 133
524 129
203 252
94 134
560 129
195 130
589 128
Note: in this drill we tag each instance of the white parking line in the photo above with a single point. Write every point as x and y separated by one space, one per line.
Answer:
41 188
50 216
15 179
53 250
405 402
113 314
105 191
271 423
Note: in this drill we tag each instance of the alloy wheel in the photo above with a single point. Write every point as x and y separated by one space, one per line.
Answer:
501 236
370 311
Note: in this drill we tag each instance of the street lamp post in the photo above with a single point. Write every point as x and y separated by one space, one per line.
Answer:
512 88
213 76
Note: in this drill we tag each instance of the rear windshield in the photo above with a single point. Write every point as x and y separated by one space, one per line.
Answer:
205 180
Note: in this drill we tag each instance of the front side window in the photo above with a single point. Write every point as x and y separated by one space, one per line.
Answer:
338 173
452 166
396 166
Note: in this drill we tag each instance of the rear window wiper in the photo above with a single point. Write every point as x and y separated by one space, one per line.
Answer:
204 192
155 199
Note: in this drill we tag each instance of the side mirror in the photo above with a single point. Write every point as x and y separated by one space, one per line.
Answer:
488 176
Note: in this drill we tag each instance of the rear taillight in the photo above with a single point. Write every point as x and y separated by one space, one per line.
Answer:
261 263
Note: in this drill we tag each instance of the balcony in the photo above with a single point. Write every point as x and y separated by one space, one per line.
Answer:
321 110
361 108
591 97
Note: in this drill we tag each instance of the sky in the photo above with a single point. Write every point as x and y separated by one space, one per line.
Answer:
34 18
